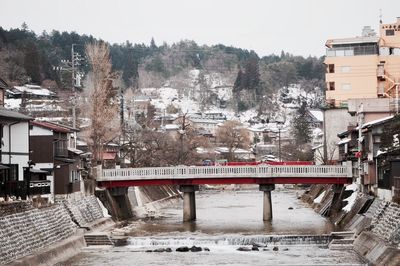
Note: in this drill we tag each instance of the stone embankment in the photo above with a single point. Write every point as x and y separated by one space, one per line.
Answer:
33 236
375 223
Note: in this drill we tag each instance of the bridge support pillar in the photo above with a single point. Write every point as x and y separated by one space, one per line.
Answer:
189 202
267 204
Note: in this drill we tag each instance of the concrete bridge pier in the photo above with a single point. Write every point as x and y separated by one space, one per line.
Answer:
267 205
189 202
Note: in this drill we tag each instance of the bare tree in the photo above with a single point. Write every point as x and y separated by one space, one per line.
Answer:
319 154
232 135
187 143
102 105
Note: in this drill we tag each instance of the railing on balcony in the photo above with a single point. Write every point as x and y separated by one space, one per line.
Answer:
380 71
193 172
352 50
61 148
39 187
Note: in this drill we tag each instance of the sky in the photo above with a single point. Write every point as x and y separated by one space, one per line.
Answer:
300 27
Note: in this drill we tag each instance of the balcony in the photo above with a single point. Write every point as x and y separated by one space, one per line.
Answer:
352 51
39 187
61 148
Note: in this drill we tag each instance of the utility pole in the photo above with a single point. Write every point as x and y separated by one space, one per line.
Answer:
360 114
279 155
397 97
325 142
73 87
279 126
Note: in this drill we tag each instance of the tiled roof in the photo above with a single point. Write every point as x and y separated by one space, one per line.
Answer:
51 126
3 84
6 114
109 155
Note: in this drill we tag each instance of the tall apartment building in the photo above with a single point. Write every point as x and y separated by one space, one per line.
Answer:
362 76
363 67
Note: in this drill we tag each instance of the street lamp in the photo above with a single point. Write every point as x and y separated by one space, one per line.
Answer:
279 126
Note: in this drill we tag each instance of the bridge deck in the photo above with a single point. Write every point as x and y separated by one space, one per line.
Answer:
251 174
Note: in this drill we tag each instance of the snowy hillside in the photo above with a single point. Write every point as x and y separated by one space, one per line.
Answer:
215 89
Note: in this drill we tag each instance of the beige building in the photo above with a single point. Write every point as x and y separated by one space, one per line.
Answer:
363 67
362 74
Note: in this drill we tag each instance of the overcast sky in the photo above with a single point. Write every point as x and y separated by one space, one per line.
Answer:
300 27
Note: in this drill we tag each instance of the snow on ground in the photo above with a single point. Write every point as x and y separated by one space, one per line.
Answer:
247 115
12 103
352 198
223 93
320 197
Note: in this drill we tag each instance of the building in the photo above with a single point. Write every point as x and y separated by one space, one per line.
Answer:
207 122
379 156
363 67
14 153
30 92
362 76
53 149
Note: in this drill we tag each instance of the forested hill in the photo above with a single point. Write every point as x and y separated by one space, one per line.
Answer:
28 57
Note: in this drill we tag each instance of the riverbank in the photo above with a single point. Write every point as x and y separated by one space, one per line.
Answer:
49 234
375 223
228 224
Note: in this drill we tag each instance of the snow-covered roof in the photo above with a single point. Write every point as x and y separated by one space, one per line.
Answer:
225 150
317 147
172 127
318 115
377 121
81 143
76 151
33 90
353 40
343 141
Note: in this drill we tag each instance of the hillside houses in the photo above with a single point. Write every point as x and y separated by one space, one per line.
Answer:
379 155
30 91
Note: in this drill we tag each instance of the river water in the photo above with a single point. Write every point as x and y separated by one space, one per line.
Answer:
226 220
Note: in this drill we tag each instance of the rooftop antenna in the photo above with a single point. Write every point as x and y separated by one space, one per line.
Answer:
380 15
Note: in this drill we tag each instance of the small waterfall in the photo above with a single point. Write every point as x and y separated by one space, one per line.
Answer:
320 240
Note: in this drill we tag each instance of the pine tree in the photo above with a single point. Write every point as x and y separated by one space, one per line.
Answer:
32 63
301 127
153 45
238 86
252 74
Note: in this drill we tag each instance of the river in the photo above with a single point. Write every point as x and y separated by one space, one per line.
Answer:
226 220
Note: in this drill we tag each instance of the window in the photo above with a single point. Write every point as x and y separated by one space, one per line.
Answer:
331 68
13 172
346 86
346 69
61 148
389 32
75 176
331 86
377 138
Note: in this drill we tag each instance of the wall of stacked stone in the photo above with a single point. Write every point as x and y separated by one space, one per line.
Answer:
83 209
25 232
386 222
25 229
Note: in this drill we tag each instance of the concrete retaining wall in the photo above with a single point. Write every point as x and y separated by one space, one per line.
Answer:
376 224
29 230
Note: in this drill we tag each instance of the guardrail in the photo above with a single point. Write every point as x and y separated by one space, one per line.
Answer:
192 172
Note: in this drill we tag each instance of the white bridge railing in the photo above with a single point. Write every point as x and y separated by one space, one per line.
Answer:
193 172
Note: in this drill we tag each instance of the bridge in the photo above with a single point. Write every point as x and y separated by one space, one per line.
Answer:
188 178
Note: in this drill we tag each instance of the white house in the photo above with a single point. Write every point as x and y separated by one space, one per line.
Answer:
15 142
